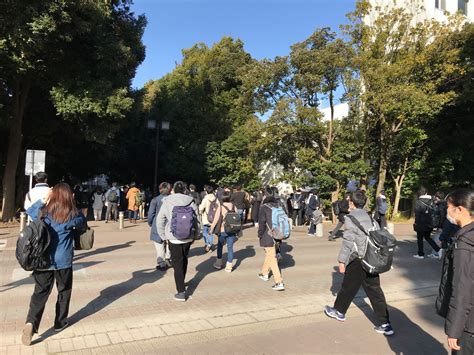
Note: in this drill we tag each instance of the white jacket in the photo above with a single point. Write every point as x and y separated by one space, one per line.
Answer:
36 193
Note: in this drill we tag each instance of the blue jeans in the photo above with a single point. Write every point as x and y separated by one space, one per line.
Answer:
312 228
242 214
206 233
132 214
230 239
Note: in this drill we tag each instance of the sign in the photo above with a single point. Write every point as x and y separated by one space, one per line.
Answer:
35 161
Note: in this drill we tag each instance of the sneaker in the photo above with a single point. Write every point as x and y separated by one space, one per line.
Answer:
311 235
433 255
161 267
180 297
418 256
441 254
27 334
168 263
333 313
263 277
280 286
385 329
228 267
59 328
278 257
218 264
331 238
207 249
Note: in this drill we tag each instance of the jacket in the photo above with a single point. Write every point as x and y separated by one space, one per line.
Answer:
205 206
62 237
163 220
132 206
97 201
354 241
117 192
155 206
36 193
460 316
424 209
221 212
265 220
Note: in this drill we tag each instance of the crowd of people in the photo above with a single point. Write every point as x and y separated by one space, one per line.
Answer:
179 215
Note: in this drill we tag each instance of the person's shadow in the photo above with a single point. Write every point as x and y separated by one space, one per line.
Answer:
242 254
109 296
287 259
103 250
409 338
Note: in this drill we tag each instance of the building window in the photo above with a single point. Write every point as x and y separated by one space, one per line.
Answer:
462 6
443 5
436 4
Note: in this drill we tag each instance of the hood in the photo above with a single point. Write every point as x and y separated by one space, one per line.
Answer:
179 199
465 237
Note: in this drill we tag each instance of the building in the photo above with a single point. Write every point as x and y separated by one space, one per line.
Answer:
431 9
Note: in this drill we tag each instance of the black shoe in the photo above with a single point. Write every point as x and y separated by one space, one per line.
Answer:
331 239
161 268
60 328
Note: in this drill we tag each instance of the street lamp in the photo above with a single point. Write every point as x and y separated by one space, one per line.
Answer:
165 126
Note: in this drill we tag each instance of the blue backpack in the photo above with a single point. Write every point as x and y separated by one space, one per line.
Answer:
280 228
183 222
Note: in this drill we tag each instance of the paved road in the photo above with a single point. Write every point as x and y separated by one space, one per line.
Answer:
121 304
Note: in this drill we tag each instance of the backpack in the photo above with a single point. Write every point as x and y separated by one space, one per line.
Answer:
211 214
446 283
183 222
317 217
380 248
139 198
232 221
112 196
280 228
335 207
32 246
426 218
296 202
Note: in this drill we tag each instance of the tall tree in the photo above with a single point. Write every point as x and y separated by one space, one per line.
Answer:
82 53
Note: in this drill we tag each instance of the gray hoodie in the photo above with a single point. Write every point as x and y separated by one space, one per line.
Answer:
163 220
354 241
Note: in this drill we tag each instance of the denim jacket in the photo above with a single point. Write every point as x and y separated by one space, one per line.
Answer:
62 240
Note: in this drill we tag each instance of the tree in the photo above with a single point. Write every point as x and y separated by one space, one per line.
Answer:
82 53
401 65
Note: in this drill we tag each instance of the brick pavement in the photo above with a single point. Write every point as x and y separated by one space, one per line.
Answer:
121 304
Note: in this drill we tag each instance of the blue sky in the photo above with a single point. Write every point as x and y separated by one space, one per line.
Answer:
267 27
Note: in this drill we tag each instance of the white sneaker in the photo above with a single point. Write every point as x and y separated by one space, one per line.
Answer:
418 256
441 254
433 255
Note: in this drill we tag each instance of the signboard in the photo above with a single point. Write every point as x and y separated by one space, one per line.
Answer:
35 161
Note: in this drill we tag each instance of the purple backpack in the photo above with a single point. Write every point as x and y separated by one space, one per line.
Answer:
183 222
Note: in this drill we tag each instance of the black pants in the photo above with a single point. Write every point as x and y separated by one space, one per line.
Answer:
381 220
44 281
179 260
420 235
354 277
466 343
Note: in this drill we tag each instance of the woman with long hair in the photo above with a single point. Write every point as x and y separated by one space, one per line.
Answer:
60 213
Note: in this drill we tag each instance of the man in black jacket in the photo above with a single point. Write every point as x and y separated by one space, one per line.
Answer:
424 210
343 212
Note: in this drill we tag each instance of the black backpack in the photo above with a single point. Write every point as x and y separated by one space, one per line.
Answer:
378 256
32 246
232 221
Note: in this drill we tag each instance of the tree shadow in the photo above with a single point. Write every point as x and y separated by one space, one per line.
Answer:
242 254
409 338
109 296
29 280
103 250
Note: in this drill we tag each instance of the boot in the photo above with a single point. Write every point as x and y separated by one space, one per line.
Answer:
218 264
228 267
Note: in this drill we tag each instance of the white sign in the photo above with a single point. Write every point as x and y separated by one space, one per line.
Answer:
35 161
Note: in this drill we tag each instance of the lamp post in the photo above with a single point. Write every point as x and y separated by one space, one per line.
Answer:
165 125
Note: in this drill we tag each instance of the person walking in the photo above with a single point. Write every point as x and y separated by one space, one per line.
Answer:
132 203
112 199
38 192
312 203
267 242
98 199
353 248
381 208
256 201
239 200
459 325
424 212
297 208
342 209
168 224
60 213
208 211
224 237
163 255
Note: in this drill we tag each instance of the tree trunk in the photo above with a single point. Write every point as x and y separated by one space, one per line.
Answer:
398 190
383 164
331 123
20 94
335 197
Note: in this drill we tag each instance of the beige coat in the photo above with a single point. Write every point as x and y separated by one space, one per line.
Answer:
221 212
205 206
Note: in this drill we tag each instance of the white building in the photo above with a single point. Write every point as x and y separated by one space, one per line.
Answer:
431 9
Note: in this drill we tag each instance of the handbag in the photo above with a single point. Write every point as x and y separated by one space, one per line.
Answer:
84 240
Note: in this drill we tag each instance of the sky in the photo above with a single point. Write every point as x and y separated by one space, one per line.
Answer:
267 27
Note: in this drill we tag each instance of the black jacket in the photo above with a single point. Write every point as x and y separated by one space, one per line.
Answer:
265 220
424 209
461 315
